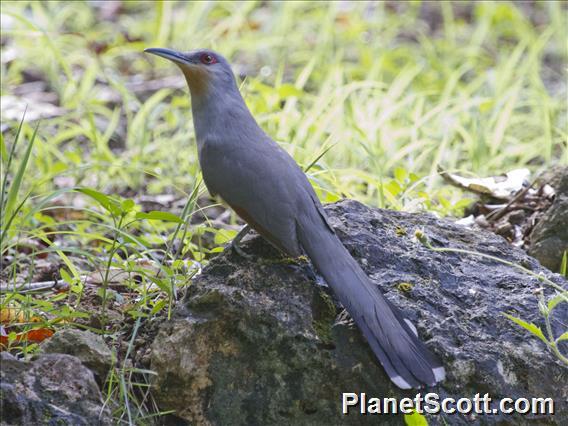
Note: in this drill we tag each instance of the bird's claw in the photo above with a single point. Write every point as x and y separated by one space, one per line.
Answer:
238 250
235 243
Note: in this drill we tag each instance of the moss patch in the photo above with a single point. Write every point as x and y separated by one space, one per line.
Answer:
400 231
324 314
405 287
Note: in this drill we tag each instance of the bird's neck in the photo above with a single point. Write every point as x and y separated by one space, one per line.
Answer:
222 117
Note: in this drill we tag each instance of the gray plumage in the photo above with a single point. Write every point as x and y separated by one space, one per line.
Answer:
267 188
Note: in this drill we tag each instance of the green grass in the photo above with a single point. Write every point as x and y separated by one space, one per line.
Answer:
372 98
375 84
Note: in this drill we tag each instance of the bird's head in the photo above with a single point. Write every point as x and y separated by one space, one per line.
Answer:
203 69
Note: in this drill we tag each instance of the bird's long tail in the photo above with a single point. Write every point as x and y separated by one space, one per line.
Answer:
404 357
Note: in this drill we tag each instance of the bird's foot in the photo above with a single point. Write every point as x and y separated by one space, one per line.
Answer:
311 272
235 243
238 250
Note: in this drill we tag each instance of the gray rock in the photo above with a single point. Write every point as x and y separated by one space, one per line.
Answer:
55 389
549 238
257 343
89 347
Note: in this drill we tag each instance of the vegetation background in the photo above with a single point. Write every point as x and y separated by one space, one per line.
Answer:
98 156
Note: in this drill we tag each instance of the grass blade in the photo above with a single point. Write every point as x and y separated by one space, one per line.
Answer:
12 196
10 157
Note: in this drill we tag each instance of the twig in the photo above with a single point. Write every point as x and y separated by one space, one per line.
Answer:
498 214
37 286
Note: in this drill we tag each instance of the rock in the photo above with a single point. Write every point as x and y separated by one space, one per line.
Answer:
54 389
89 347
256 342
549 238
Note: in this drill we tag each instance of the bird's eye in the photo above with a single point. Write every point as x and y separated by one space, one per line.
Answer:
207 59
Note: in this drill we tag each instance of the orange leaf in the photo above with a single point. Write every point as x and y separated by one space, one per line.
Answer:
31 336
38 335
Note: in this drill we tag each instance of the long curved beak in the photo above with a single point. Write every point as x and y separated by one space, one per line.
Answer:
172 55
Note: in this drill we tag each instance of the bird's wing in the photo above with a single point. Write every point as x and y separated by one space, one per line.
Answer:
263 185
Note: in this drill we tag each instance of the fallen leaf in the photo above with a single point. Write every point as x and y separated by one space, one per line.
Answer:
37 335
11 315
501 187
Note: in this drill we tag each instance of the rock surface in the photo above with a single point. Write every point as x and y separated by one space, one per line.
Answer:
89 347
55 389
549 238
257 342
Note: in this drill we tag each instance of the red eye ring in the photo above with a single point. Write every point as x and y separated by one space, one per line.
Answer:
207 59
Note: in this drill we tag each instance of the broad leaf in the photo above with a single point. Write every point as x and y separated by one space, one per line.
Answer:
158 215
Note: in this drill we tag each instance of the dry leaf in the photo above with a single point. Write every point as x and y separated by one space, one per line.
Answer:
501 187
37 335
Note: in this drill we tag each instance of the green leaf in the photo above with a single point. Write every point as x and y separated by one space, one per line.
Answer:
530 327
59 297
486 105
563 336
393 187
223 236
178 264
8 163
400 174
74 157
134 313
287 90
324 151
108 203
158 306
444 202
415 419
16 183
465 202
127 205
553 301
158 215
564 264
162 283
413 177
3 150
136 240
65 276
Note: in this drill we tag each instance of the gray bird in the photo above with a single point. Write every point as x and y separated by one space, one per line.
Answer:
265 186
